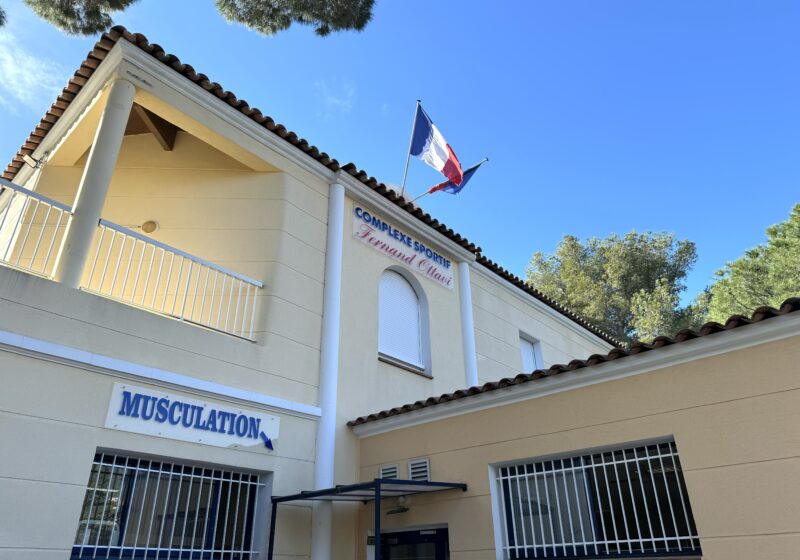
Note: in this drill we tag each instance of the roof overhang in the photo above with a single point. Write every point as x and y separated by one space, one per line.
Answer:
741 333
365 491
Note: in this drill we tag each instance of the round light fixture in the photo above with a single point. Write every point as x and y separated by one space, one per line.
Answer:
149 226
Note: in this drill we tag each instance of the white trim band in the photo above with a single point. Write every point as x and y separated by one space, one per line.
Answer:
14 342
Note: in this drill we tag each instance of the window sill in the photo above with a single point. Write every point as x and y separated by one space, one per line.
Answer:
404 365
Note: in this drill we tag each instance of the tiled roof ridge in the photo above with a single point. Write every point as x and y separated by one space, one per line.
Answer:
763 313
110 38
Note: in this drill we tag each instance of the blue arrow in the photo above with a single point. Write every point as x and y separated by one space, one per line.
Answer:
267 441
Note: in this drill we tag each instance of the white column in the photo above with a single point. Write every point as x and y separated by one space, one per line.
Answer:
322 524
467 325
94 184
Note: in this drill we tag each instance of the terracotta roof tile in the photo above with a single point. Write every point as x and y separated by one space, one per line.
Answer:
110 38
791 305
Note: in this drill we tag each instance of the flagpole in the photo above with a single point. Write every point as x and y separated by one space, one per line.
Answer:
420 196
410 144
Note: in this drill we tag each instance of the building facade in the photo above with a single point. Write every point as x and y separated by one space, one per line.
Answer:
686 448
194 302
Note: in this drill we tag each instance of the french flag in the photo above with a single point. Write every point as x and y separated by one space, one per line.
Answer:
429 145
450 187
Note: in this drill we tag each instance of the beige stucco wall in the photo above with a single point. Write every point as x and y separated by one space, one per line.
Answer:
51 414
734 418
502 312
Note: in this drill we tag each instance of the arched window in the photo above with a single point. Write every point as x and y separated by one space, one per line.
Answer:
401 320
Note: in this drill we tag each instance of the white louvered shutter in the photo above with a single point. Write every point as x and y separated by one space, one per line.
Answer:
419 469
390 471
399 317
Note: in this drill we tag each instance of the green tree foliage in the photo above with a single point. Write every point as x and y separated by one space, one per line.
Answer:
90 17
270 16
79 17
766 275
628 286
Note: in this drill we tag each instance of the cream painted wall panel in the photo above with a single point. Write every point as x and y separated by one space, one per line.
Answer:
311 198
304 226
192 361
293 531
734 431
48 518
770 547
34 554
99 325
294 287
38 444
501 315
292 321
302 257
762 498
84 406
682 392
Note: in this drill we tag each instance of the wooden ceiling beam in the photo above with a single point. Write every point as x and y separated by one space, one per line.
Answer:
164 131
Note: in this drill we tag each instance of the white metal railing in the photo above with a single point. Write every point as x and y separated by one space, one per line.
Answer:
32 228
141 271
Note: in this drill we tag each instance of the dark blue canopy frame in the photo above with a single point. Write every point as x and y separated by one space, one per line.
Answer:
374 490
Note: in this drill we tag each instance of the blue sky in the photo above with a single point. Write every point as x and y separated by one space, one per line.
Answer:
599 116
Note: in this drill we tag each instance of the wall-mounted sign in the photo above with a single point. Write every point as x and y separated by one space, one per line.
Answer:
155 413
400 246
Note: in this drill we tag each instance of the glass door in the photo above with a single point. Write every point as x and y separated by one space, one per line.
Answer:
425 544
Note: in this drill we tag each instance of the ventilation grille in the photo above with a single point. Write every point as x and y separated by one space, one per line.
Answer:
389 471
419 469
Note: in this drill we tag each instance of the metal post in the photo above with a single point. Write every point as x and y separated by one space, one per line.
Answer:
270 550
410 144
377 520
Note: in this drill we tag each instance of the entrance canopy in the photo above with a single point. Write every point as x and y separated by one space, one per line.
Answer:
374 490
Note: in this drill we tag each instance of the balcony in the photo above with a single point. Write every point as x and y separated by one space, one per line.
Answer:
127 266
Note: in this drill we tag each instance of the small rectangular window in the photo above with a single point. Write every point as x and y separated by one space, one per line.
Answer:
625 502
531 351
135 508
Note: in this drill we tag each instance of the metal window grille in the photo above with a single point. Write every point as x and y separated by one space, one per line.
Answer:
625 502
142 508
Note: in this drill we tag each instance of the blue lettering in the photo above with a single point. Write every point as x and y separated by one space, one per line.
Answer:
130 405
173 408
241 425
223 416
147 415
211 425
187 420
162 410
198 425
255 427
359 212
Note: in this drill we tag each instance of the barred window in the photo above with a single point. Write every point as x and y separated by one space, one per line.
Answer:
625 502
141 508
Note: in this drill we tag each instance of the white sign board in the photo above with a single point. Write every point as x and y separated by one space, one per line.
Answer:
402 247
156 413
